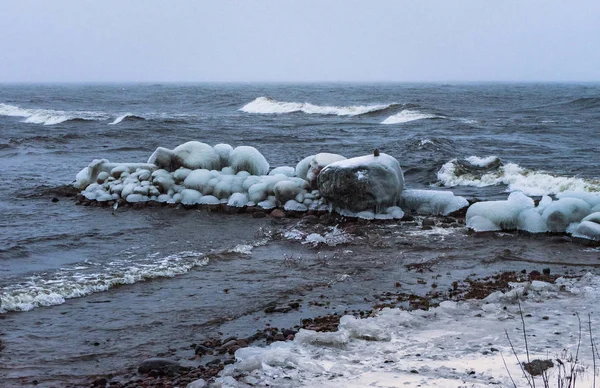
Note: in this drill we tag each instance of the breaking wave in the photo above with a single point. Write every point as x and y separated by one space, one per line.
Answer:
490 171
49 116
127 117
87 278
267 105
406 116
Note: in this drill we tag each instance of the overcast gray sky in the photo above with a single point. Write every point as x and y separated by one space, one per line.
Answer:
328 40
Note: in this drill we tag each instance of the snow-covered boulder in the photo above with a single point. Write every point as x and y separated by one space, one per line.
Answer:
247 158
371 182
193 155
432 202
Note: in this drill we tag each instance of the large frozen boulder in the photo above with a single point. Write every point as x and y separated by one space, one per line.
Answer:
371 182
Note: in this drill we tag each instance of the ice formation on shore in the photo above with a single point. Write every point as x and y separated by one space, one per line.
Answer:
572 213
455 344
369 187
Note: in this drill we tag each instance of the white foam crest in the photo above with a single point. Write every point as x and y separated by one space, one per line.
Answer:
121 118
517 178
68 284
406 116
266 105
482 162
48 116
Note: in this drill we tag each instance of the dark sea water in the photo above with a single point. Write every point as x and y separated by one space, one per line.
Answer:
56 257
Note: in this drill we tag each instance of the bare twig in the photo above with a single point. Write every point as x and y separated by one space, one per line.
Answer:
507 371
593 347
517 358
525 338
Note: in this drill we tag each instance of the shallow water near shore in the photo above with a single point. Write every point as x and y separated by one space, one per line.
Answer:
112 332
93 291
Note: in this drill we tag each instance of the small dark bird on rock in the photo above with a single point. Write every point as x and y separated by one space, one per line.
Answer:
376 152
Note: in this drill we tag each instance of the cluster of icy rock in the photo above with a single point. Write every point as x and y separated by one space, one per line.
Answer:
195 173
576 213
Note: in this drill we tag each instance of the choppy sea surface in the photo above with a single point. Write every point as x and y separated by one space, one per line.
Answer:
55 255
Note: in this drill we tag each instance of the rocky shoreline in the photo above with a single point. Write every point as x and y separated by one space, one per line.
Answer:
217 351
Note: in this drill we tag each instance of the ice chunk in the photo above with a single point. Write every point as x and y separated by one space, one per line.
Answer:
267 204
531 221
224 152
587 229
283 170
335 339
396 212
133 198
190 197
365 329
481 224
238 200
247 158
593 199
223 189
303 166
432 202
292 205
257 192
317 163
198 180
181 173
593 217
195 155
90 173
543 204
209 200
559 214
286 190
502 214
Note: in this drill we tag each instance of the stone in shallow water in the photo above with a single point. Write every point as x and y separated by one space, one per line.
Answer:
162 365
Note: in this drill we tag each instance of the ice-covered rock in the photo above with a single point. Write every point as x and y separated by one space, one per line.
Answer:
190 197
559 214
530 220
237 200
363 183
502 214
593 199
90 173
247 158
588 229
316 165
286 190
224 151
283 170
482 224
432 202
303 166
193 155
